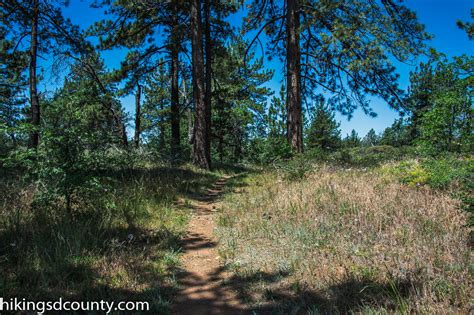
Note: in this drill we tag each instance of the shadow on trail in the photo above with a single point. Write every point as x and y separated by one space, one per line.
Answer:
218 291
349 296
84 255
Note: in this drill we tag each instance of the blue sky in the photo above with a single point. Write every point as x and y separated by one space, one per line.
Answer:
439 17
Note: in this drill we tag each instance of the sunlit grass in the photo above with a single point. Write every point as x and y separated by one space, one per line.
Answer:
351 240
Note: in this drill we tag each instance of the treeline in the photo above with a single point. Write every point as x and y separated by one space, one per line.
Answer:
197 81
172 89
437 114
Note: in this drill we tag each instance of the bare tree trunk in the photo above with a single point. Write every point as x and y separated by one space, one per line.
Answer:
208 93
201 156
137 116
293 79
175 132
34 100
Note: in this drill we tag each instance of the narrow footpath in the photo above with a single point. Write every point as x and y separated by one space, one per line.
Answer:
202 281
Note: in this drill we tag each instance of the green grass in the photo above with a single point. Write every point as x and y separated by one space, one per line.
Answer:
120 242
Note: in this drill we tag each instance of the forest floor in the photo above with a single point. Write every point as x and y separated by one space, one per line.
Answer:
202 282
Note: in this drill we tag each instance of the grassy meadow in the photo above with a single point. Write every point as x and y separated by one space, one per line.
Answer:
336 236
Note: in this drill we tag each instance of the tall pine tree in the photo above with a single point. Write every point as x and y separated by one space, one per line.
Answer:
342 47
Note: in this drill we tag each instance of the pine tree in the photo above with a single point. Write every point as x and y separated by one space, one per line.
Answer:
467 26
156 107
238 97
324 131
49 33
370 138
352 140
140 28
276 116
448 124
338 46
418 98
398 134
12 86
77 135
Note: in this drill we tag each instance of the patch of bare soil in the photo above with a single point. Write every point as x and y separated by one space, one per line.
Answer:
202 281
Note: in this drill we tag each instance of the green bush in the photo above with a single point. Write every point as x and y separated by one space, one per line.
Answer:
264 151
371 156
451 173
296 168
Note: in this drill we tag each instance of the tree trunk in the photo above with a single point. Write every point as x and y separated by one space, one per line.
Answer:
190 116
175 132
201 156
220 147
208 93
293 79
137 116
34 100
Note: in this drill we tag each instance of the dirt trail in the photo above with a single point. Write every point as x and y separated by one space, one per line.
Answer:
202 281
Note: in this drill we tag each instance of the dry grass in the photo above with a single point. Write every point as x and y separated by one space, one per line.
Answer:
342 241
120 243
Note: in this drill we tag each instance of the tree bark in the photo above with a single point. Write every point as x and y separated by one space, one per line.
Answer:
34 99
208 92
201 156
189 115
175 132
137 116
293 79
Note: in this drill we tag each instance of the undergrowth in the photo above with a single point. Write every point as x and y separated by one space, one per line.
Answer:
119 241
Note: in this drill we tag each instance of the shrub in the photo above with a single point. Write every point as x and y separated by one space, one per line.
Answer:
264 151
451 173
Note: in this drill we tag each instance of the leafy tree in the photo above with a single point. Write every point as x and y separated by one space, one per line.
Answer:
324 131
341 47
370 138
